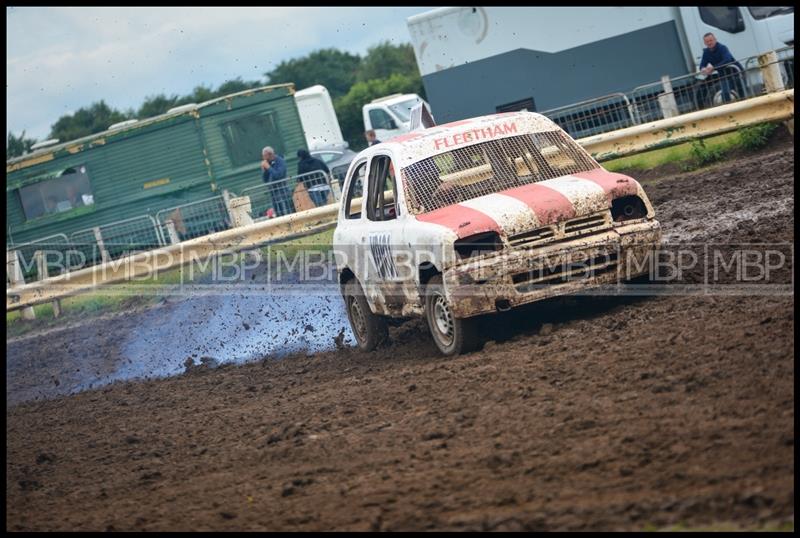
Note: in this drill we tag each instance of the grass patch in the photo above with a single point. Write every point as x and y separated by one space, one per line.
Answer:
287 251
698 153
674 154
703 155
756 137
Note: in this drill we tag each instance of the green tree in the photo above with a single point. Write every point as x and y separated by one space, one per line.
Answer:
200 94
159 104
156 104
18 145
237 85
386 59
348 108
86 121
334 69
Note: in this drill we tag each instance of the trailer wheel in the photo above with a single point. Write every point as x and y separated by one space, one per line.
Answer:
369 329
452 335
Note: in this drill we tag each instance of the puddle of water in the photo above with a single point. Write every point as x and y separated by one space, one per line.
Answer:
232 329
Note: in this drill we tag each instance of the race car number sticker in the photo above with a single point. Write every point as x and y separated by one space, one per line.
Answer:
381 250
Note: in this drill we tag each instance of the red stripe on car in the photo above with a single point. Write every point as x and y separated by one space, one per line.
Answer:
614 184
548 204
464 221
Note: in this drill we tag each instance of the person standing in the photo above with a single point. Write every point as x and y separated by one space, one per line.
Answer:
316 188
717 57
371 137
273 173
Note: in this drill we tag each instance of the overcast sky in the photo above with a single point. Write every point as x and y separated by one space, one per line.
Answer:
60 59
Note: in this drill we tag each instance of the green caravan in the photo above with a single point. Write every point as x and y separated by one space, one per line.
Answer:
110 193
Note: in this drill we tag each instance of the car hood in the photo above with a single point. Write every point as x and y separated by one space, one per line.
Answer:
525 208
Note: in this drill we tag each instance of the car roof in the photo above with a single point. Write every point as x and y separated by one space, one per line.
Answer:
423 143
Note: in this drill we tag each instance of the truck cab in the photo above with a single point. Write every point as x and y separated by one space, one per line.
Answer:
390 116
479 216
746 31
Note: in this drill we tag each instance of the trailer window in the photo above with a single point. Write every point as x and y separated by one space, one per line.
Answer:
68 189
247 136
727 19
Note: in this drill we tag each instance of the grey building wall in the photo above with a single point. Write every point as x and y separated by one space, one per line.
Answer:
616 64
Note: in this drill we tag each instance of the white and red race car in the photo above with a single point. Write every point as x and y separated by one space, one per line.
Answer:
479 216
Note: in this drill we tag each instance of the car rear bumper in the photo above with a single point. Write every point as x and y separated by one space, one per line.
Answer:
519 276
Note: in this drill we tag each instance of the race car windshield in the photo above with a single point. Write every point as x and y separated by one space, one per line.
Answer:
489 167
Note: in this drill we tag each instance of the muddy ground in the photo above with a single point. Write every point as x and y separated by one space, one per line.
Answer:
582 413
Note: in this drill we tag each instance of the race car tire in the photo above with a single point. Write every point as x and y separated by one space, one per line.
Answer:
453 336
369 329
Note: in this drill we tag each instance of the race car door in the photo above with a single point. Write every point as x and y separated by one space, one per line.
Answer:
388 263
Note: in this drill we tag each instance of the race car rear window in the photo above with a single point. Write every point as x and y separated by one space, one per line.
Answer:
488 167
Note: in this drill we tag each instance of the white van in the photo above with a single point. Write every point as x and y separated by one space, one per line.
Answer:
391 115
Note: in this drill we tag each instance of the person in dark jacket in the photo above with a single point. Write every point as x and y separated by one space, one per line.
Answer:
717 57
371 137
314 183
273 173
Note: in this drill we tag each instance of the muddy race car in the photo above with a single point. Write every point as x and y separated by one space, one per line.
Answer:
479 216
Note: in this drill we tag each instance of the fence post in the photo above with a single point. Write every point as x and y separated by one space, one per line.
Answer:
239 209
335 188
174 238
41 266
771 72
666 100
226 199
98 237
773 81
14 274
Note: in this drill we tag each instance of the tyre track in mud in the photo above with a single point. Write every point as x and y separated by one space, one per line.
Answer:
584 413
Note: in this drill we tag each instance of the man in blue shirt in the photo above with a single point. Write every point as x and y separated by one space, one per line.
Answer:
273 173
717 57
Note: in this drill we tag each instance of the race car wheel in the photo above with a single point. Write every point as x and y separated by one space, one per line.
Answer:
369 329
452 335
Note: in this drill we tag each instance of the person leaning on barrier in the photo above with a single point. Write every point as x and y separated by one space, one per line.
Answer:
273 173
314 183
717 57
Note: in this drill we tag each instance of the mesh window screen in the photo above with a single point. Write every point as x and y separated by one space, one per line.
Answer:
488 167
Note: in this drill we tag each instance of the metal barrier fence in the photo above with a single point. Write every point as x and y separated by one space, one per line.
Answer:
609 112
117 239
672 96
283 197
53 245
194 219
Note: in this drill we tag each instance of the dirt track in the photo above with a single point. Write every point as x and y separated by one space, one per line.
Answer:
593 413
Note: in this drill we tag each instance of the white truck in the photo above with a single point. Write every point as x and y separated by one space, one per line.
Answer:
390 116
481 60
479 216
